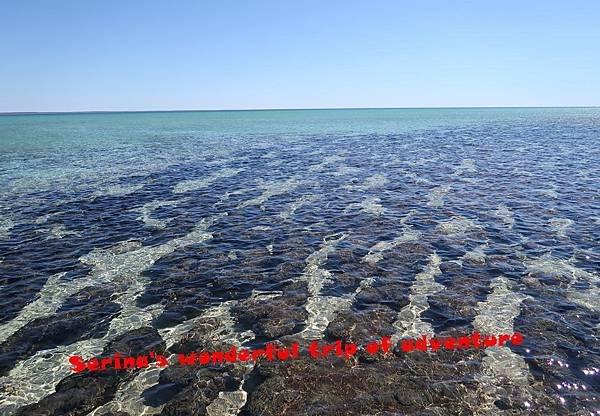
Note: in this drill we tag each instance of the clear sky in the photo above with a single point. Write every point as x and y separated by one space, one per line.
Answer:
142 55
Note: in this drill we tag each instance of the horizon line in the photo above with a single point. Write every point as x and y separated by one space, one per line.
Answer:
16 113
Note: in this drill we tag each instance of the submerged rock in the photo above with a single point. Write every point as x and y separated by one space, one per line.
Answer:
80 393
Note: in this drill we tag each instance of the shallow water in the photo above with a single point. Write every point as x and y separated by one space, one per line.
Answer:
179 232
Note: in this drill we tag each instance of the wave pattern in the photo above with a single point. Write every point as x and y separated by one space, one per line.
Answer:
481 226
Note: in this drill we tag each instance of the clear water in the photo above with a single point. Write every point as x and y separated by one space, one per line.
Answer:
184 231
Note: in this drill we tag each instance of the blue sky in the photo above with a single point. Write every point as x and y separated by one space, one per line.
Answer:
143 55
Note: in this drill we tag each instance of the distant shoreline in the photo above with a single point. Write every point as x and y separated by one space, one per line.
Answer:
31 113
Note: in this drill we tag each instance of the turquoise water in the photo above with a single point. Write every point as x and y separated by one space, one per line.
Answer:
182 231
40 132
40 151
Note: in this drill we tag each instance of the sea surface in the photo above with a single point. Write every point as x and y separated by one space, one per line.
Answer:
188 231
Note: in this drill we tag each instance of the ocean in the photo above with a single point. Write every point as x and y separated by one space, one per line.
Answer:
181 232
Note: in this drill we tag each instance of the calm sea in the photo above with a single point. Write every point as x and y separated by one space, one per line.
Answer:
188 231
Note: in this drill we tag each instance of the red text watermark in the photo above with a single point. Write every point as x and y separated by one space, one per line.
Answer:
313 350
